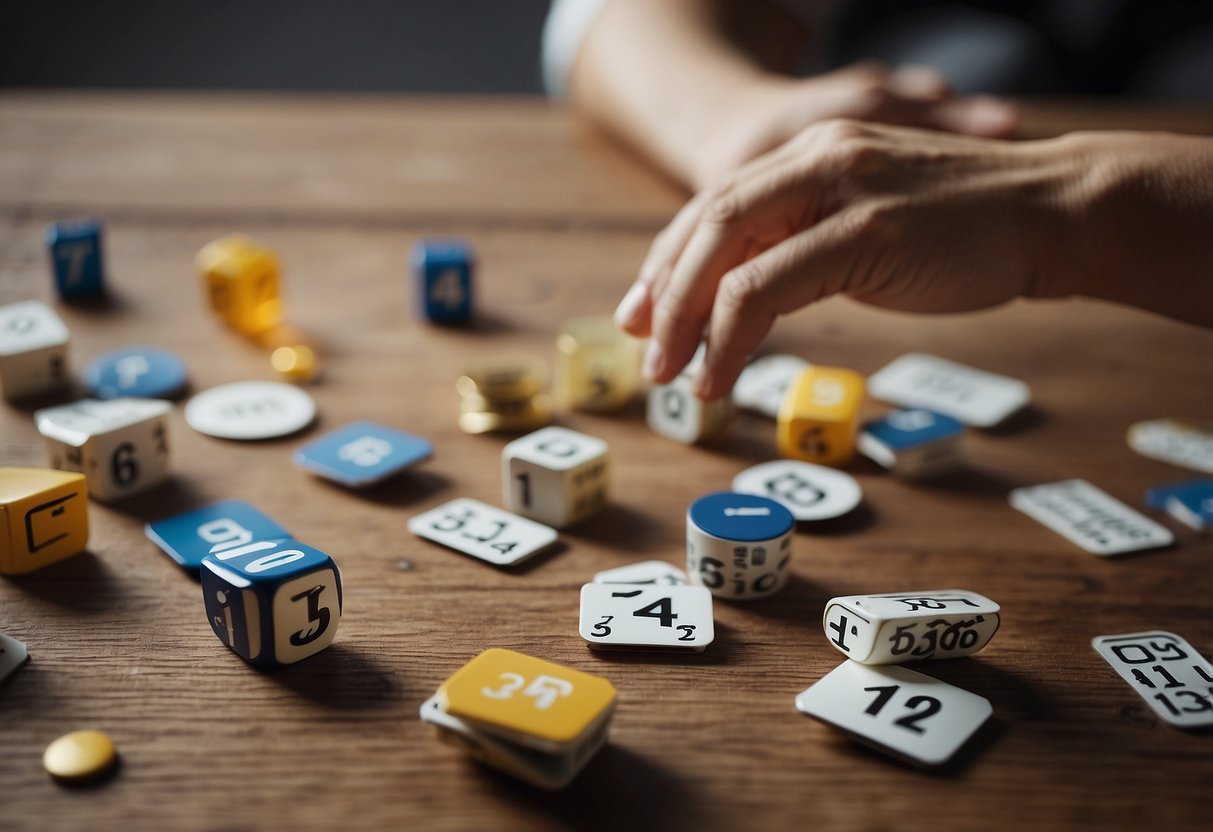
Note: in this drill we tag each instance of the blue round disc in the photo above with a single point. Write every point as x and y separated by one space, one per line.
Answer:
146 372
742 517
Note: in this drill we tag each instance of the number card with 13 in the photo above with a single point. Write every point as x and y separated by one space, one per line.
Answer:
646 617
1175 680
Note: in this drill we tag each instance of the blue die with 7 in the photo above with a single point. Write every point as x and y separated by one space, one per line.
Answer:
76 257
274 602
442 279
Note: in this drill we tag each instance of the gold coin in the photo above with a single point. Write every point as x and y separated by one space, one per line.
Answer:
80 755
296 363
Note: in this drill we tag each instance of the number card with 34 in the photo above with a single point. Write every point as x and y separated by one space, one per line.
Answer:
646 617
482 531
1175 680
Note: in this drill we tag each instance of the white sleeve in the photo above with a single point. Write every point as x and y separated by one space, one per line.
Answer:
565 28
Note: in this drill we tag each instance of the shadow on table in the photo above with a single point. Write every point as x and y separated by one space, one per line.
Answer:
173 496
342 678
1028 418
621 525
409 488
82 583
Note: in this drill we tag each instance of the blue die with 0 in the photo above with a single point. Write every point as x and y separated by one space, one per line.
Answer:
362 453
273 602
213 529
442 278
76 257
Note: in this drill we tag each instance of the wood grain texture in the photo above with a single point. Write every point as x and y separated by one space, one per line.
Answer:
560 219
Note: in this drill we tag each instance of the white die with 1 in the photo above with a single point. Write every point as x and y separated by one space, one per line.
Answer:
120 445
556 476
636 617
676 413
33 350
901 627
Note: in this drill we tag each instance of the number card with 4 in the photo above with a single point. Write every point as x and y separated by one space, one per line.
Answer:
1175 680
646 618
483 531
907 714
656 572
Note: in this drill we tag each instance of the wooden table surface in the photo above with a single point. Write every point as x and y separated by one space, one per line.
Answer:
341 187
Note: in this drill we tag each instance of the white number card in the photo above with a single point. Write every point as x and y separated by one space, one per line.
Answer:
656 572
764 383
1175 680
483 531
1179 443
905 713
973 396
667 617
1090 518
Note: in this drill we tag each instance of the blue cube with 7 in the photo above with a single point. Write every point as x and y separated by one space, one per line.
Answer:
76 258
274 602
442 279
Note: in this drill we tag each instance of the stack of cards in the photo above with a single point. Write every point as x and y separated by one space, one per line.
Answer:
1090 518
915 443
536 720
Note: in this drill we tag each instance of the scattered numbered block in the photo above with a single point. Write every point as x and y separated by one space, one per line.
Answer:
910 626
1090 518
362 454
120 445
250 410
914 443
739 545
43 518
820 415
77 258
33 350
80 756
765 382
556 476
443 275
1174 680
141 372
273 602
656 572
810 492
675 412
597 366
907 714
646 618
12 656
503 395
213 529
483 531
1188 444
242 283
1191 503
973 396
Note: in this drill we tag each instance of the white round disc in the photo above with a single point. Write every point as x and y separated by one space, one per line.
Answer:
811 492
250 410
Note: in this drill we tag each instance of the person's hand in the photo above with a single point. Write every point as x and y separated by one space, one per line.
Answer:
758 116
907 219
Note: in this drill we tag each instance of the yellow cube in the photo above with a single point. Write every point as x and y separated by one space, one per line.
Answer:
528 700
241 280
43 518
597 366
820 415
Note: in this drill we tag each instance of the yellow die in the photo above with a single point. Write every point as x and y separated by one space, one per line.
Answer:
820 414
241 280
597 366
43 518
528 700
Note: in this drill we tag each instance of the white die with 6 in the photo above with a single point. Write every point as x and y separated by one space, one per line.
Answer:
556 476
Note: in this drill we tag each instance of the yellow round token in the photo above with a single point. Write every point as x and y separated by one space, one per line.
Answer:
80 755
297 363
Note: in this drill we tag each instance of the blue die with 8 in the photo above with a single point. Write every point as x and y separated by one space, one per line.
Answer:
442 279
274 602
76 257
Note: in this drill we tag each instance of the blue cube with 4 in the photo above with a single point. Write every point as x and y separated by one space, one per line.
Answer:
443 272
76 257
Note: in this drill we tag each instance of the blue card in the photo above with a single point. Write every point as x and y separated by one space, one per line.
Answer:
904 429
1189 502
76 258
362 453
211 530
146 372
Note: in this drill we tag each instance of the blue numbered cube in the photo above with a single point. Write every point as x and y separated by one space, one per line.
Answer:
913 443
442 279
76 257
362 453
1191 502
274 602
211 530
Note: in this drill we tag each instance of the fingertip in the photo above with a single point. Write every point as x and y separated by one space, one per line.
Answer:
628 312
654 361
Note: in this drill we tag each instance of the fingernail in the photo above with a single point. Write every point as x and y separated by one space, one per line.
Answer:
703 386
653 360
630 304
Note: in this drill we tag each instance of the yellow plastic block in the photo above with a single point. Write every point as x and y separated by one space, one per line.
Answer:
597 366
43 517
528 699
241 280
820 415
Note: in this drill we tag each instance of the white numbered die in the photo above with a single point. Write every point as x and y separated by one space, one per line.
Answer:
483 531
33 350
656 572
556 476
676 413
120 445
910 626
764 383
1175 680
646 618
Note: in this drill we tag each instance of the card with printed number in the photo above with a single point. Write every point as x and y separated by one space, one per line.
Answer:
483 531
973 396
215 528
1089 517
646 618
1175 680
362 454
907 714
1171 440
656 572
